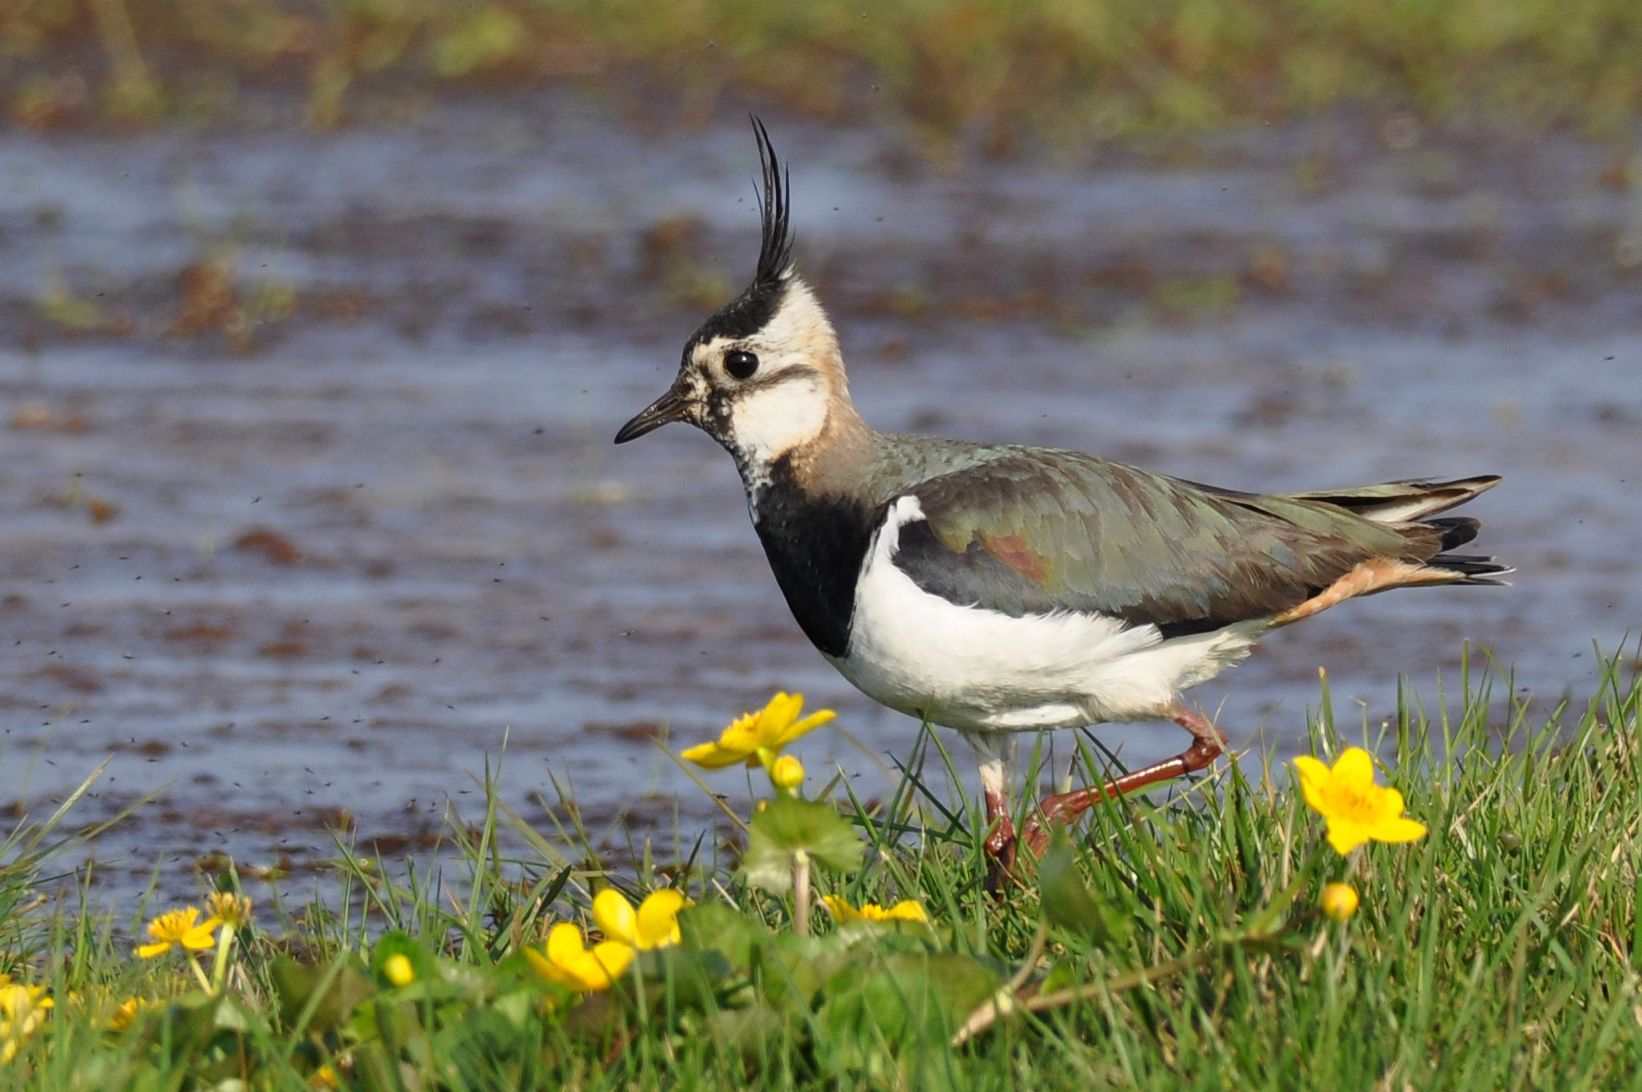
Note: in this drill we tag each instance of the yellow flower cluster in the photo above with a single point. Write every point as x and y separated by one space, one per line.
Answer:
568 960
22 1011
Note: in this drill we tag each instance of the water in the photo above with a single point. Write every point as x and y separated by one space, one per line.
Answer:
349 552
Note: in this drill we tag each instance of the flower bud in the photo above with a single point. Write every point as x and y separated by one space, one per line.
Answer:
398 970
1338 901
787 773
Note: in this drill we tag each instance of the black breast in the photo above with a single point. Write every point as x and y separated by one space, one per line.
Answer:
815 545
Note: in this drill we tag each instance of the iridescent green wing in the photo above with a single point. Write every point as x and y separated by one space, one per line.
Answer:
1030 532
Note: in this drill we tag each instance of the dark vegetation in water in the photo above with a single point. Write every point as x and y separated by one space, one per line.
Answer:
1068 71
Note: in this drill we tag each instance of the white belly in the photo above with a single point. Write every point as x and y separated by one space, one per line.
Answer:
980 670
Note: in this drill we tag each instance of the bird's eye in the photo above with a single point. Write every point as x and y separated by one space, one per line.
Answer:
740 364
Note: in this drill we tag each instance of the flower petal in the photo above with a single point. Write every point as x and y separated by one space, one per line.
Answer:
611 958
550 970
1399 830
1313 777
778 716
1345 835
658 918
908 910
839 907
712 756
564 943
741 735
149 951
813 721
201 936
1354 770
615 916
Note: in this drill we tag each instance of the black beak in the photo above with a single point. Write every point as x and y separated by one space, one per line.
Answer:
668 408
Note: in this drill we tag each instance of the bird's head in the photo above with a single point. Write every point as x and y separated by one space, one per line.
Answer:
763 376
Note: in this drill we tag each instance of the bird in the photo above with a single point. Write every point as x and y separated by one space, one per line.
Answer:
997 589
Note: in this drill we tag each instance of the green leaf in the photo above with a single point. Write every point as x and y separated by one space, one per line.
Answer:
789 826
1068 902
423 964
752 1032
896 1014
329 994
790 969
679 978
714 927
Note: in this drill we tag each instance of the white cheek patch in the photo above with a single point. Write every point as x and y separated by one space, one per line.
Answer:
770 421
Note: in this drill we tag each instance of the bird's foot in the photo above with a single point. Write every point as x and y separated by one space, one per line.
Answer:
1000 844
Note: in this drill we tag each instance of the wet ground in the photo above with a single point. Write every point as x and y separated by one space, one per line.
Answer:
308 502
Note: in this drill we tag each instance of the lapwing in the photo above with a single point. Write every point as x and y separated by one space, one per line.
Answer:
997 589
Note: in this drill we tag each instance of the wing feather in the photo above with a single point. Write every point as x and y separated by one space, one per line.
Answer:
1034 532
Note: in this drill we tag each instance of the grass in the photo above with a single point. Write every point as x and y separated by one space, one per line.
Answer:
1070 71
1174 943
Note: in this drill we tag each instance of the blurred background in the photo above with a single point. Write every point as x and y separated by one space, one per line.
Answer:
316 321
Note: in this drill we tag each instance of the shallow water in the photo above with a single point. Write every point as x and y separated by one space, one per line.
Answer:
312 571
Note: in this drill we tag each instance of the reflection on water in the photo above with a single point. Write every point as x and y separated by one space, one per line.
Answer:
309 502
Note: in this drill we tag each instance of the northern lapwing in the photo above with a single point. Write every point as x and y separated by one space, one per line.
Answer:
998 589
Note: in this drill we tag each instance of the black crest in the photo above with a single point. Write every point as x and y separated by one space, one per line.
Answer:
752 310
775 254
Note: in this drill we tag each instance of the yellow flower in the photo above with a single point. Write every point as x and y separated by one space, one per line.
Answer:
22 1011
653 925
1338 901
905 910
176 927
1357 810
128 1011
398 970
570 963
757 738
786 773
230 909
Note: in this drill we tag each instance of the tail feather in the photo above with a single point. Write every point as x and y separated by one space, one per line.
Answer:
1403 501
1456 530
1409 503
1471 568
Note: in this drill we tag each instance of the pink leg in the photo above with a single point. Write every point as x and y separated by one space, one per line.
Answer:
1208 744
1000 841
1000 825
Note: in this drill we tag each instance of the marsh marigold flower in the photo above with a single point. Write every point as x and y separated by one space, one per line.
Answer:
757 738
1338 901
22 1011
1357 810
178 928
569 962
653 925
905 910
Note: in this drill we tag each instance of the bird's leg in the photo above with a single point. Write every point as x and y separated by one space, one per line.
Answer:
1208 744
1000 825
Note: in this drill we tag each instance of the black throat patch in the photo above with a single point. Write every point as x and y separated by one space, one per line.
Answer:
816 545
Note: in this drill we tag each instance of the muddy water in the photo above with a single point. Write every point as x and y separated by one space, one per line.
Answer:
308 503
